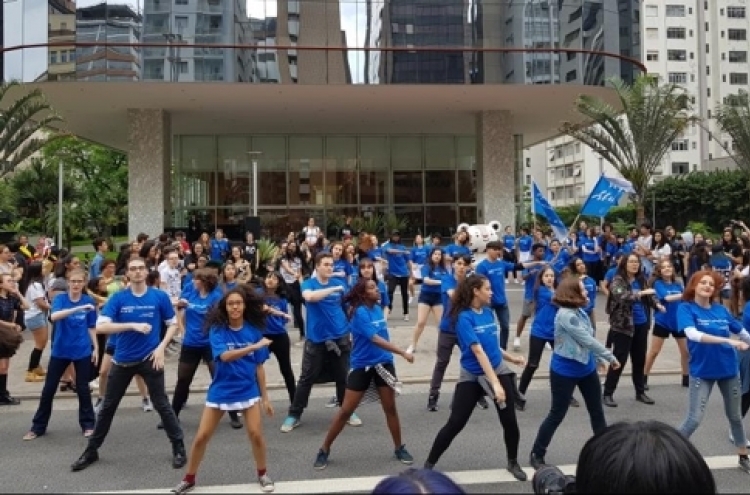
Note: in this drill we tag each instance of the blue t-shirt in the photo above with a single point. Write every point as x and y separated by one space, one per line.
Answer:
449 283
218 249
419 254
663 289
275 324
710 361
375 253
365 324
95 268
590 245
436 273
509 242
455 250
235 381
495 271
153 307
543 325
72 340
478 328
195 315
590 285
397 262
610 275
341 265
639 310
325 318
531 275
524 243
562 261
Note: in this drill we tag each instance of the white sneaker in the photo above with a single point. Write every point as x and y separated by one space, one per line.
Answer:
517 344
410 349
332 402
94 383
411 298
146 405
354 420
547 346
406 317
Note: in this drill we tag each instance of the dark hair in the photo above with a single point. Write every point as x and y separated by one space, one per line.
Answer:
642 457
105 263
439 263
414 481
464 295
61 267
656 274
93 287
622 269
141 237
463 257
320 257
146 249
357 296
254 312
569 294
282 290
538 279
32 273
98 242
207 277
152 278
365 260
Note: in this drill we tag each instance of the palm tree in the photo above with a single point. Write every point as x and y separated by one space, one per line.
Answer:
634 139
21 120
734 118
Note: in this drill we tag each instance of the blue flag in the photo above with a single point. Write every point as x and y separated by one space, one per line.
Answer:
605 194
543 208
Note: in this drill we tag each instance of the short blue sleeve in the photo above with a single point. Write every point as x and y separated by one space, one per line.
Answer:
661 291
58 303
465 330
165 305
218 344
261 355
685 317
111 308
91 315
363 323
385 301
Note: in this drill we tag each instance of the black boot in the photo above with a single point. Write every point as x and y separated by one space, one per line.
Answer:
645 382
432 402
515 469
88 457
179 457
234 420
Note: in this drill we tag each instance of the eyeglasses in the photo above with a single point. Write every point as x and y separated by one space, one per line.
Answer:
136 268
76 281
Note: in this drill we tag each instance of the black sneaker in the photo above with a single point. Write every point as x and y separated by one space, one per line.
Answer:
482 403
574 402
608 401
88 457
685 380
234 420
515 469
536 461
183 487
179 457
520 404
7 400
404 456
645 399
744 463
432 403
321 460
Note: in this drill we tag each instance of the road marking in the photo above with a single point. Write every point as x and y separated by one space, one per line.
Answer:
367 483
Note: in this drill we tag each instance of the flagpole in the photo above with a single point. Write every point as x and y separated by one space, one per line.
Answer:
533 209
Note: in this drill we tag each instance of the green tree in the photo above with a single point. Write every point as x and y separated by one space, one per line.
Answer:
733 118
100 177
36 188
635 139
24 125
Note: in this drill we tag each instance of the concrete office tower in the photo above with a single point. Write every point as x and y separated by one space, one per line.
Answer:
108 23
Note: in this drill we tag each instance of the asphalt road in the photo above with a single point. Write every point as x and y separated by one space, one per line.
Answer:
136 456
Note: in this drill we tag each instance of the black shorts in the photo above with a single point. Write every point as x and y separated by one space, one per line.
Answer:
359 379
664 332
194 355
430 298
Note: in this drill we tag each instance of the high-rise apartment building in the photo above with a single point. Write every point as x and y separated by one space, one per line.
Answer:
703 46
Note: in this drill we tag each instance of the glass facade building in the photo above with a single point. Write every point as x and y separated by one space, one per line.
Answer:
432 177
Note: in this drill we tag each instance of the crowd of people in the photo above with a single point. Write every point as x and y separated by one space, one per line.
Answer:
215 301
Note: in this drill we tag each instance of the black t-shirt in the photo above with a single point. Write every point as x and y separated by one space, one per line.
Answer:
249 252
8 306
732 249
347 230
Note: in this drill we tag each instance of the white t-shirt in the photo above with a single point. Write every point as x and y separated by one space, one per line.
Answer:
34 292
311 235
171 279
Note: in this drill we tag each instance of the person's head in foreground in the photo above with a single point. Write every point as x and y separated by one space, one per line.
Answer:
642 457
418 481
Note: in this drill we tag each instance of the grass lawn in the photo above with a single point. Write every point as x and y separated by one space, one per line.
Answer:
87 242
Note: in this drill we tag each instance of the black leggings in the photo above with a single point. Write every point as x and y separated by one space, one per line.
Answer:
745 404
536 348
190 359
281 348
465 399
295 299
402 282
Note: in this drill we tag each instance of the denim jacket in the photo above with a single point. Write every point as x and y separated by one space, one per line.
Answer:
574 337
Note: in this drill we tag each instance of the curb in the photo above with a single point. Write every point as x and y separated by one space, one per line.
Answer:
416 380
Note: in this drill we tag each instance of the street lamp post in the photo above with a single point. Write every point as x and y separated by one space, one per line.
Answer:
253 157
60 204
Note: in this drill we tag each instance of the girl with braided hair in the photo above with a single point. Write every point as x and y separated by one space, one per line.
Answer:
371 363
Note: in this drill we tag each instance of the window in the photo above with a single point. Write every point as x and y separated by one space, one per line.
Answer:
738 57
180 2
677 77
181 23
652 11
652 56
652 33
675 11
680 168
183 67
52 57
736 12
677 55
738 78
708 70
680 145
708 93
737 34
675 33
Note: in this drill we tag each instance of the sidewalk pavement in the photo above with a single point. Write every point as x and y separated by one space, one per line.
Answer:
420 371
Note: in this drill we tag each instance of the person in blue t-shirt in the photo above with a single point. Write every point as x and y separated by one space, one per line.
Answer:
371 365
447 335
580 269
218 247
366 269
575 359
137 314
669 293
341 268
459 248
74 317
274 295
591 253
239 350
483 371
542 329
525 245
430 300
628 305
399 270
723 265
708 327
509 245
529 275
610 273
558 256
418 256
327 344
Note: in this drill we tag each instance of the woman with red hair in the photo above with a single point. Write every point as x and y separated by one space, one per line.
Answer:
708 326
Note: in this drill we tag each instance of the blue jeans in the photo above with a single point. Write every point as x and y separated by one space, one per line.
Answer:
562 388
503 318
55 371
700 391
